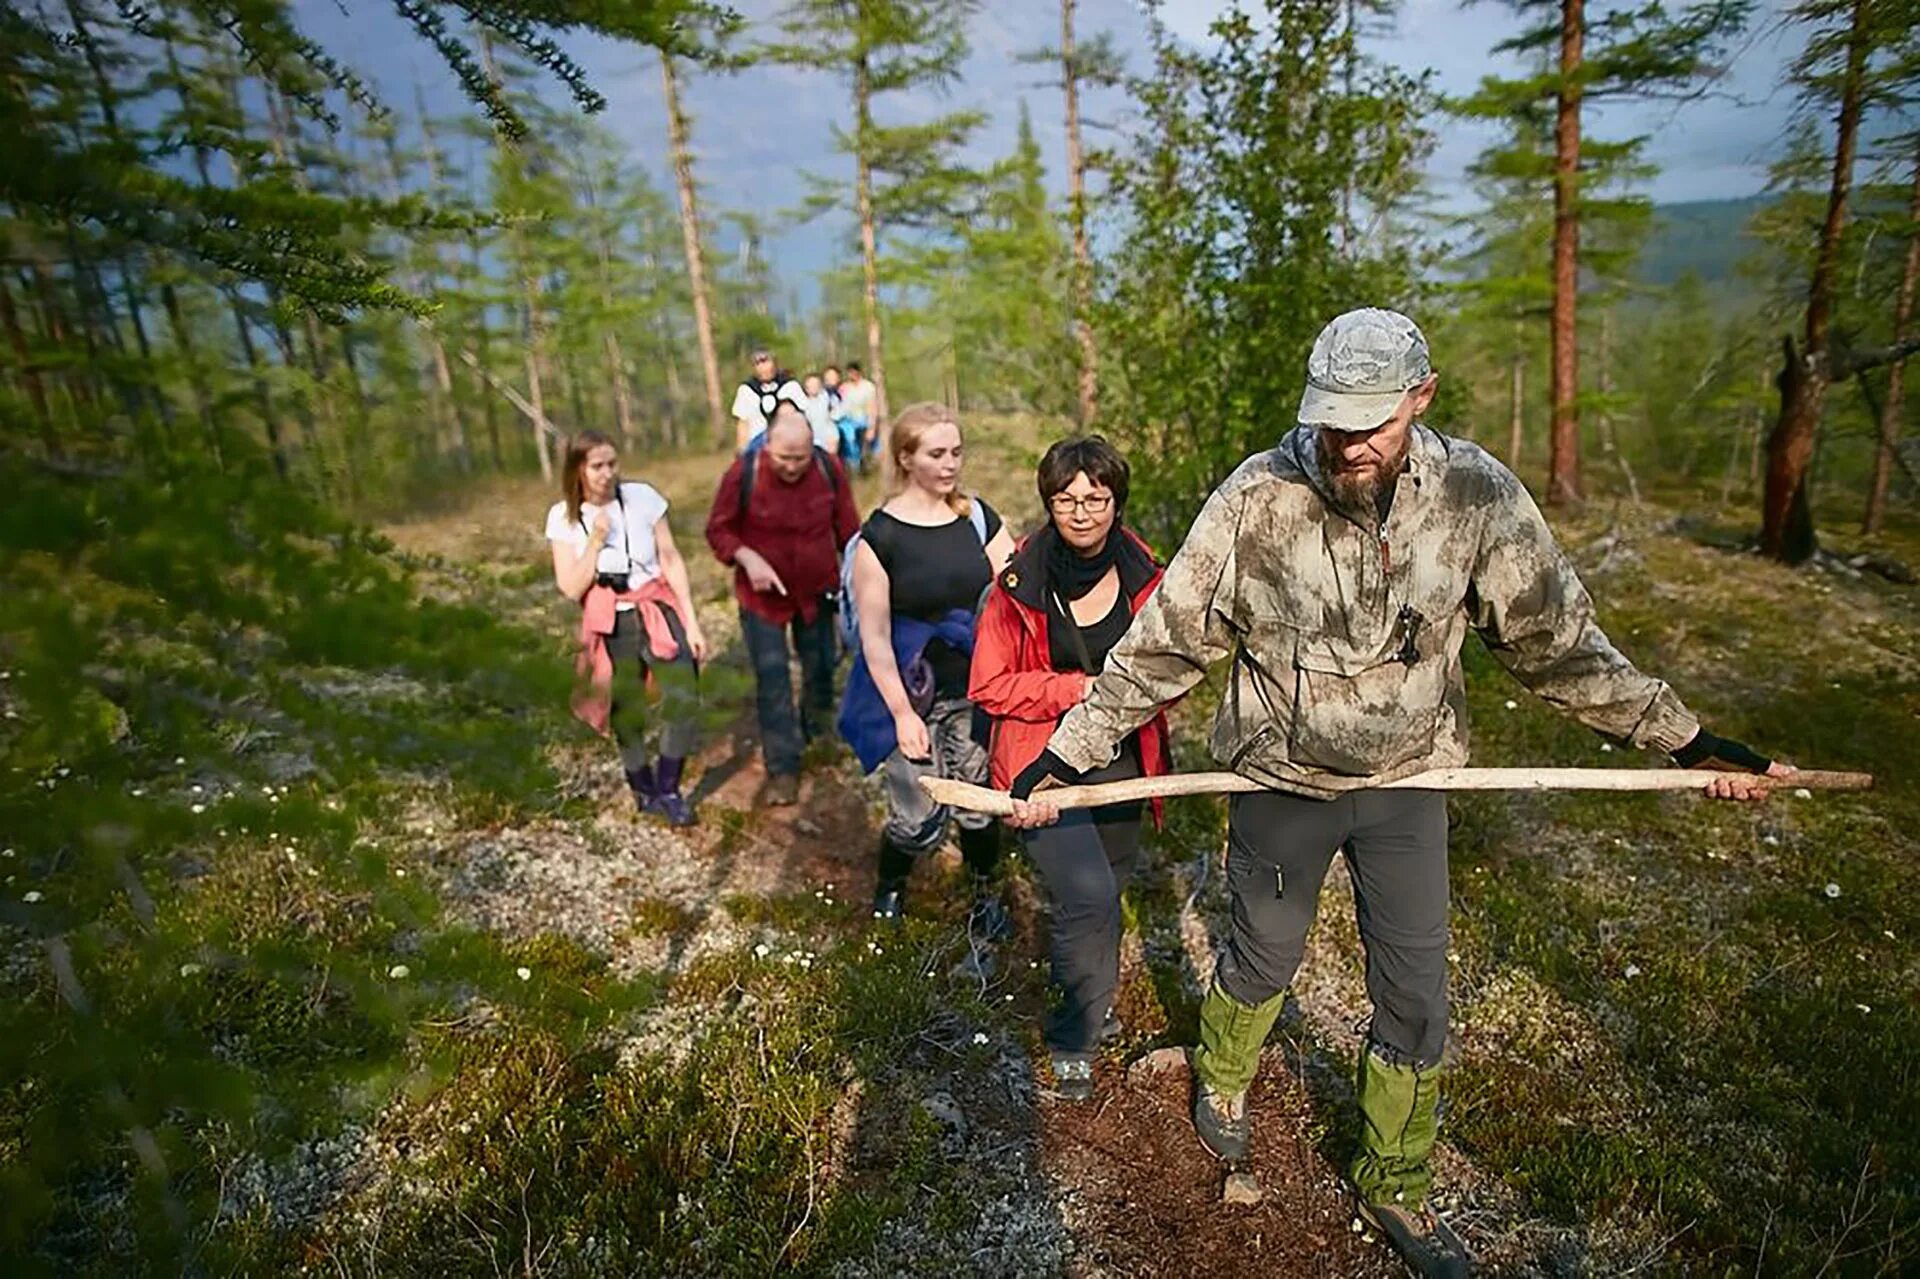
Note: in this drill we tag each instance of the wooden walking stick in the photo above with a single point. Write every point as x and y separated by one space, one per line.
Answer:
981 799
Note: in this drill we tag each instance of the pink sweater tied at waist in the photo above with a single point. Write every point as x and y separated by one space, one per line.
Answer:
593 695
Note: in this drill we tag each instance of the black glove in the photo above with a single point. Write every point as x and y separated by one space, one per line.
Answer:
1721 754
1048 765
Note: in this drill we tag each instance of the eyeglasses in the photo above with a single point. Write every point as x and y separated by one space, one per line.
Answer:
1092 504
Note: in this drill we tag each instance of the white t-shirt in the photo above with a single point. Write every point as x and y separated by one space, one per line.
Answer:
752 406
856 400
629 547
820 417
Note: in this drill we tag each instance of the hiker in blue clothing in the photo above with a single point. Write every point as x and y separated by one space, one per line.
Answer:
919 568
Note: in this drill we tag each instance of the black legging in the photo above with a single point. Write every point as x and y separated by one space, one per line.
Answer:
670 710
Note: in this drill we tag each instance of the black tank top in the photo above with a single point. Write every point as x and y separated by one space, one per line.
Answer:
1098 638
932 570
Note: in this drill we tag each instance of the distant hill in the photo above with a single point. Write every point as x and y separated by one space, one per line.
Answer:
1706 237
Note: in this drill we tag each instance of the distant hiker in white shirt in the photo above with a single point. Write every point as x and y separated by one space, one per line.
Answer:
753 403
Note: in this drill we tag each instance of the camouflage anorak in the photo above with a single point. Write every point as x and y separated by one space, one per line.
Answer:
1320 613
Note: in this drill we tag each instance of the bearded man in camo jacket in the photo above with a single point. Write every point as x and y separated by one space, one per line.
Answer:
1341 571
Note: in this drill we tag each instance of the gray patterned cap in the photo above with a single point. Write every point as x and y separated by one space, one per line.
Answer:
1362 364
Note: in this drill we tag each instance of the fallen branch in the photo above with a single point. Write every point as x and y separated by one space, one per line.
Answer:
514 397
981 799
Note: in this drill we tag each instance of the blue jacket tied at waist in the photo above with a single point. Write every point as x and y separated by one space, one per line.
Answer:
865 721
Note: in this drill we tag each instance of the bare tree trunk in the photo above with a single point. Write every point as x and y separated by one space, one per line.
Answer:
483 338
535 394
1563 465
869 249
1786 529
622 401
1607 441
669 409
1077 219
696 260
1895 403
29 371
454 419
196 376
1516 410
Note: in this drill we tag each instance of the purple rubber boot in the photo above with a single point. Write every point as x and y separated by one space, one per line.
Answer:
667 800
646 790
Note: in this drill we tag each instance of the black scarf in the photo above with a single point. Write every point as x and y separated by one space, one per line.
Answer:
1073 574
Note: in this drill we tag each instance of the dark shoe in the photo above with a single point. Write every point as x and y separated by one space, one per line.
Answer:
1421 1236
988 921
781 791
1073 1077
1111 1027
1222 1123
645 789
890 904
668 802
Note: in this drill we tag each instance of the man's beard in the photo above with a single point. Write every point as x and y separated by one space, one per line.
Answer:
1356 493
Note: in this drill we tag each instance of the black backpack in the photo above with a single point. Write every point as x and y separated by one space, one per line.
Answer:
750 467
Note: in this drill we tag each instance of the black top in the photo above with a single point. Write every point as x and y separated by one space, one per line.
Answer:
1097 638
932 570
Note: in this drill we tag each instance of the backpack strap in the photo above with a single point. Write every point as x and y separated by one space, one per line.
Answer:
750 467
977 516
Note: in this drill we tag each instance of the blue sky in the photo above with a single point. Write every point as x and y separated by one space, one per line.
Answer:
753 130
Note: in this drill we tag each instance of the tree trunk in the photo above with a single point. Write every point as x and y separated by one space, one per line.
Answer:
29 371
1077 219
1786 530
483 338
1563 465
1895 403
196 376
1516 412
869 251
1608 443
669 405
696 260
622 400
535 394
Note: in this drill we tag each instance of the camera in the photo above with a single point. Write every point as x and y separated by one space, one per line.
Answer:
615 581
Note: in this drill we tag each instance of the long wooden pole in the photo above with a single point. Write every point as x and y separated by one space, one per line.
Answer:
981 799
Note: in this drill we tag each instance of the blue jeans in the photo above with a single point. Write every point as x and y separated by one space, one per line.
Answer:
783 733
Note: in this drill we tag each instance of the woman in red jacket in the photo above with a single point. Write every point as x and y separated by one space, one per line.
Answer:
1062 602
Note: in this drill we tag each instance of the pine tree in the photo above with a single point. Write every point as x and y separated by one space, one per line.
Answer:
1858 59
1231 257
1581 56
906 176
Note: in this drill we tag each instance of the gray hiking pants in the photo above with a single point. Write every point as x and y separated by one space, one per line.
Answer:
915 824
1279 848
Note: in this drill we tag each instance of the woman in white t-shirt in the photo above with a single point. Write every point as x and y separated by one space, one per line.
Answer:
613 552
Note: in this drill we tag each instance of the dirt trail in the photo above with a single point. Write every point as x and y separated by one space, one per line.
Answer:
1118 1186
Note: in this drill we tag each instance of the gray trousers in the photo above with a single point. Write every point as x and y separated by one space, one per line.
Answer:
915 824
1279 848
1084 861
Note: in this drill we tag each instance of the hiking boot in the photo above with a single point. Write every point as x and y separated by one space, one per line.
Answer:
667 801
1421 1236
645 789
1072 1077
781 791
1221 1122
890 903
1110 1027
